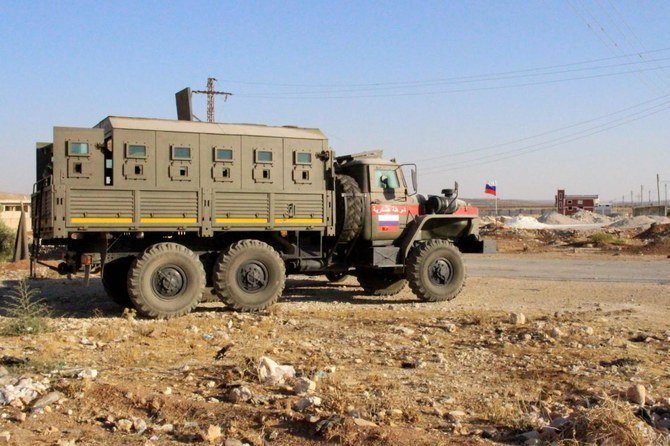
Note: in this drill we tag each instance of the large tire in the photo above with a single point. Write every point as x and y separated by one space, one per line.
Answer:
435 271
379 282
167 280
115 280
349 217
249 275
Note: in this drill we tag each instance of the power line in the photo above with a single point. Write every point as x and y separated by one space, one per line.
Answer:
434 92
466 81
643 49
553 143
448 79
608 16
537 135
607 40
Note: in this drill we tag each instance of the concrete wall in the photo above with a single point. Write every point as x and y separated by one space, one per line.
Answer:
651 210
10 216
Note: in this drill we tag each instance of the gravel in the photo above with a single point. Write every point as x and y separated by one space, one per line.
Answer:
641 221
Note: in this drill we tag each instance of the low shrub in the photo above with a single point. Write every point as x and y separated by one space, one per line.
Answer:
25 311
7 238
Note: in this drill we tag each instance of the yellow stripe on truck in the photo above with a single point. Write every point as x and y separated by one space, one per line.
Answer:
298 221
241 220
100 220
168 220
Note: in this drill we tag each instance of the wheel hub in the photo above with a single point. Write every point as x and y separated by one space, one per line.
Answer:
252 276
440 272
169 281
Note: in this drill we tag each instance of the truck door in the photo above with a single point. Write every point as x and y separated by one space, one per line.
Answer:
390 206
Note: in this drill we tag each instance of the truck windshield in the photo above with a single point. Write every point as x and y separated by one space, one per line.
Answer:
386 179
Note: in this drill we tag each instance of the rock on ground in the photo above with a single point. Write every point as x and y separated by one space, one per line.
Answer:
637 394
517 319
270 372
304 385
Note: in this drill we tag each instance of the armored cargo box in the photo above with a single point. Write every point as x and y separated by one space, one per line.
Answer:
134 174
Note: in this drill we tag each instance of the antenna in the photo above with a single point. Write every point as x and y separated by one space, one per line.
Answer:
210 92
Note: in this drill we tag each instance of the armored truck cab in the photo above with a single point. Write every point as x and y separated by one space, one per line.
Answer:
164 208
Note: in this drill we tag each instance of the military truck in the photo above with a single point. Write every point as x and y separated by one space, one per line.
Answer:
165 208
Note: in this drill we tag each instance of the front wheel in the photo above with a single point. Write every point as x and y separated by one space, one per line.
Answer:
435 271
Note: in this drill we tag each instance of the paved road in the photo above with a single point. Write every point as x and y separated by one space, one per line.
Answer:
588 270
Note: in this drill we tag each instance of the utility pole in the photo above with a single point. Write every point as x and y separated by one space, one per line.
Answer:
658 188
641 193
631 197
649 193
210 92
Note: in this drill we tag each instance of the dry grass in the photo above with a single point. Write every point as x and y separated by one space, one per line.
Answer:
611 422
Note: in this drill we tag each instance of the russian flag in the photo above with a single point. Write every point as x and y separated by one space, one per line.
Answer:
490 188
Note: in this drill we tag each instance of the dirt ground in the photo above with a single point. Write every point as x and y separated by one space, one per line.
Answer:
388 371
633 241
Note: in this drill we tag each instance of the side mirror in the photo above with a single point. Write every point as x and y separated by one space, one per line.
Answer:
412 174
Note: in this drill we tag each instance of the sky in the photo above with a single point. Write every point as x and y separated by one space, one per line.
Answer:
539 95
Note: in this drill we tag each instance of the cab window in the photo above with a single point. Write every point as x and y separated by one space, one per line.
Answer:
386 179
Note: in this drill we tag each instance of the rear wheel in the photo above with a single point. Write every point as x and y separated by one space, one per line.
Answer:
115 280
166 280
249 275
380 282
435 271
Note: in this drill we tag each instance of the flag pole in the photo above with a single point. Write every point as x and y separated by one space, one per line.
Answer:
496 201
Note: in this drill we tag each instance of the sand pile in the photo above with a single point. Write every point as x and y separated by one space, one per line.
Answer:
591 217
490 221
641 221
523 222
554 218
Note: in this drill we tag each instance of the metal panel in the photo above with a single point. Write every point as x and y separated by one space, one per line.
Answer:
91 205
240 208
184 108
175 208
385 255
299 209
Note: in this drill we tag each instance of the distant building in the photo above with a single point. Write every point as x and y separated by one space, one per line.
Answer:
10 209
604 209
570 204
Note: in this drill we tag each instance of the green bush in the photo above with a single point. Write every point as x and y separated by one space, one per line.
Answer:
7 239
603 238
25 311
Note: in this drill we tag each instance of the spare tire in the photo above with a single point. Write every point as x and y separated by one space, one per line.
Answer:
349 208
